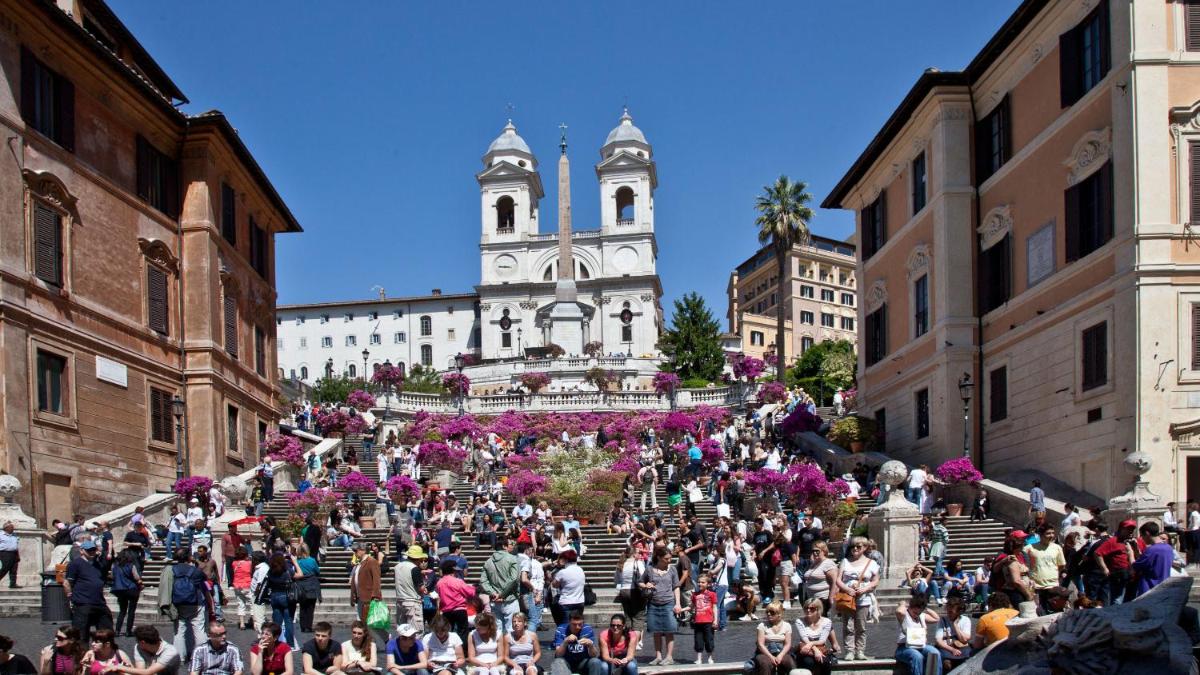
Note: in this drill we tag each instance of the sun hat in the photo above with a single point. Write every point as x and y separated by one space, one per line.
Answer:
415 552
405 630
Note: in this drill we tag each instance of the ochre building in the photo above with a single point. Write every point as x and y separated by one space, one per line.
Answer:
1031 222
136 265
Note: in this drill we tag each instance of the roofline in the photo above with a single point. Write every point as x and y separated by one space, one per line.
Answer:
930 79
155 71
384 301
217 119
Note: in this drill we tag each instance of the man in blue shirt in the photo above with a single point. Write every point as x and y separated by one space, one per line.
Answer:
460 561
1037 499
85 589
694 457
575 649
1153 566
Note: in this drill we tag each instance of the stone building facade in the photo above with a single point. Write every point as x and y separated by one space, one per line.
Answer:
1029 222
136 265
821 297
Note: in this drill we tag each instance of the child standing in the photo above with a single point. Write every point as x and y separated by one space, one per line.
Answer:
704 604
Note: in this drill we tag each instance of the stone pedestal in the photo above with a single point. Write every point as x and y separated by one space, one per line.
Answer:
1139 503
566 319
895 524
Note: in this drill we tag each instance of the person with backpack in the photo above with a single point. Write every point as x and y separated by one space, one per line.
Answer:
1093 580
183 597
127 588
501 580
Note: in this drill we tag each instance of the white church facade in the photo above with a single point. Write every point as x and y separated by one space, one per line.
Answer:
612 294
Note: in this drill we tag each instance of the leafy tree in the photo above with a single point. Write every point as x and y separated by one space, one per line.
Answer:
783 218
693 343
823 368
335 389
424 380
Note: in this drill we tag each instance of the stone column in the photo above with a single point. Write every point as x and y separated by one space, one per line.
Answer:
1139 503
895 524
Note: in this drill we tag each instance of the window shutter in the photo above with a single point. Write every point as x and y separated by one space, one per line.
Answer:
170 178
64 111
228 214
1195 336
1105 38
143 169
1072 222
1191 19
881 220
28 68
156 296
231 344
1005 116
1069 68
47 249
156 422
1105 186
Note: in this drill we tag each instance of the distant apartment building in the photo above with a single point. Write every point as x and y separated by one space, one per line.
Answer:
320 338
1030 222
136 265
820 296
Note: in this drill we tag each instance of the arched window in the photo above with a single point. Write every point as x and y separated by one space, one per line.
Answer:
506 214
625 206
351 370
426 326
549 275
304 373
427 355
583 272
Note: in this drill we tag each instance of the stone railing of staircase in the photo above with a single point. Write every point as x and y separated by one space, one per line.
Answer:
1009 504
156 507
411 402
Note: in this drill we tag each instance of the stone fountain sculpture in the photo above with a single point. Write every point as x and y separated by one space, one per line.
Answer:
895 524
1139 503
1142 636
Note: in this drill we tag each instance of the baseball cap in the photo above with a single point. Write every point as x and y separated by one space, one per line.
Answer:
406 630
415 552
1129 523
88 545
1018 534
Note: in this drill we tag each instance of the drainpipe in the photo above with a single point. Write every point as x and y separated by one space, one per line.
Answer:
182 354
978 315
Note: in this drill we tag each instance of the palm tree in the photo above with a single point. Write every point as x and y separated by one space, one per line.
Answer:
783 217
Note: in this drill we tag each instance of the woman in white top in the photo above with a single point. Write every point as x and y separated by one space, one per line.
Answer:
819 577
629 570
774 654
559 541
383 462
953 635
358 653
521 648
815 639
485 654
912 644
857 576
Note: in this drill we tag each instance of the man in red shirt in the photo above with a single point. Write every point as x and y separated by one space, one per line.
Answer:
1113 558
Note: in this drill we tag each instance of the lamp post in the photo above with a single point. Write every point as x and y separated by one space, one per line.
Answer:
671 384
965 385
520 352
459 362
178 408
365 354
387 390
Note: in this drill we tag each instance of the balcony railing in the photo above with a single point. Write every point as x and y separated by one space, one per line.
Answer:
624 222
408 403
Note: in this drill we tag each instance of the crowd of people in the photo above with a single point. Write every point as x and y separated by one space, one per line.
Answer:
750 562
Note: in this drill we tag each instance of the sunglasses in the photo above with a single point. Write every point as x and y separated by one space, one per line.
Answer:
60 637
619 626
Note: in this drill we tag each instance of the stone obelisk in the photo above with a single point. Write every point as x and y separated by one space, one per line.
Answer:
566 318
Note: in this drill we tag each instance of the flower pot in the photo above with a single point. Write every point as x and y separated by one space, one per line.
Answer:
954 509
856 446
366 522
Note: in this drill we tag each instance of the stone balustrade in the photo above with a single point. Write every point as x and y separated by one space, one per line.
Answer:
407 403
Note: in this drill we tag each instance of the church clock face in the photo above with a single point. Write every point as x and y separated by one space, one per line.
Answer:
505 266
505 323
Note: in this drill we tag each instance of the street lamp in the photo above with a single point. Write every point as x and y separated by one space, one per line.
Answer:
965 385
671 383
520 353
387 390
459 362
177 408
364 374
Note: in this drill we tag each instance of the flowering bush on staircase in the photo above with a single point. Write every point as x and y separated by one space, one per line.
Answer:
711 453
772 392
525 483
360 400
402 489
665 383
338 422
747 367
535 382
456 384
314 501
355 481
281 448
193 486
766 481
439 455
958 470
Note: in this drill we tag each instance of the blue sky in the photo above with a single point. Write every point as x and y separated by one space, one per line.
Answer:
370 118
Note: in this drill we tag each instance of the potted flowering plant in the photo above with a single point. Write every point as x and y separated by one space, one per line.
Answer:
456 384
853 432
440 456
355 481
360 400
535 382
954 472
747 367
555 350
772 392
402 489
388 376
280 448
593 348
665 383
337 423
314 501
601 378
193 486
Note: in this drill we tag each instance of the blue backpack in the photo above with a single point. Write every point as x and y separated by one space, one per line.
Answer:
185 590
123 578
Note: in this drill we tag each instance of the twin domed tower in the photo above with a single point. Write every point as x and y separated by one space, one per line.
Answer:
610 292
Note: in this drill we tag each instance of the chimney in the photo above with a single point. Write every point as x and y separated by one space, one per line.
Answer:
436 291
